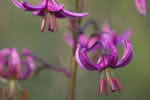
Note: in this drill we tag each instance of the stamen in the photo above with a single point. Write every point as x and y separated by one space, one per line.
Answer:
24 95
111 84
56 25
16 95
1 93
105 87
101 83
5 94
50 24
43 23
10 98
117 84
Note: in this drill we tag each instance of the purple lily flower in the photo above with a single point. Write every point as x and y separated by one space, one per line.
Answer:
11 70
51 8
108 40
141 6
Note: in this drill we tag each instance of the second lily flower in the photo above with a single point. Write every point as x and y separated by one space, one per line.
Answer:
51 8
106 40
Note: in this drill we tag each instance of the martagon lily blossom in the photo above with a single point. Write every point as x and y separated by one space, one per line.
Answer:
108 40
141 6
50 7
12 70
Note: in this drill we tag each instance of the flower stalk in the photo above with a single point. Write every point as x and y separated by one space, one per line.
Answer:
48 65
72 79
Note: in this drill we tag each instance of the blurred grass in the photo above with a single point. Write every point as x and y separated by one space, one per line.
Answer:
22 30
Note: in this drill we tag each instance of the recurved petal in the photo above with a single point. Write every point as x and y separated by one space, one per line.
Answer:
4 52
14 63
26 73
141 6
106 27
125 35
18 4
28 64
113 55
29 59
77 56
69 40
67 13
83 60
127 55
83 39
92 40
29 7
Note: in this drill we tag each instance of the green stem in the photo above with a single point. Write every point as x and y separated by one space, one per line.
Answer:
72 79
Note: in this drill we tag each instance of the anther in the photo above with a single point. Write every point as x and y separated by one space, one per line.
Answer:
111 84
24 95
117 84
5 94
1 93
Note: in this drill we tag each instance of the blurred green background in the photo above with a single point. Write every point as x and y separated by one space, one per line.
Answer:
22 30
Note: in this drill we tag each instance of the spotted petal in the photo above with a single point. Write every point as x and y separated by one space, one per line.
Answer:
113 55
82 40
127 55
4 52
92 40
69 40
83 60
124 36
14 63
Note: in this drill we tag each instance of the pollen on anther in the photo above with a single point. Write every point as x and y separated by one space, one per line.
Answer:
24 95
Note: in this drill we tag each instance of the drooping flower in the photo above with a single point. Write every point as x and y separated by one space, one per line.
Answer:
12 69
51 8
108 40
141 6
